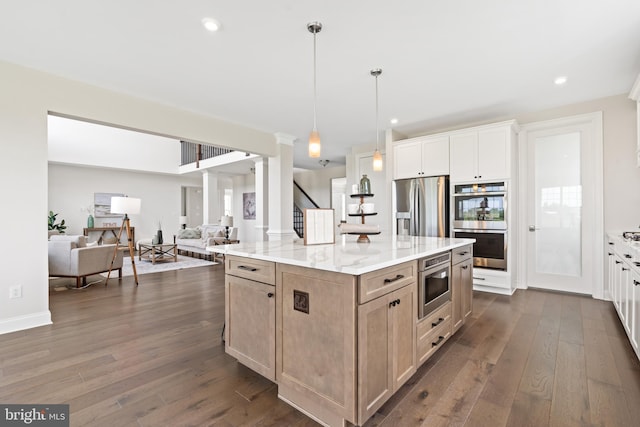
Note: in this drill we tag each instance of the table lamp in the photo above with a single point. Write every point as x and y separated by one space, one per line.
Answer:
183 221
126 206
226 221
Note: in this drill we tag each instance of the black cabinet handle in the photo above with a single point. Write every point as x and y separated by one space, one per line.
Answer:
618 262
611 243
627 256
398 277
464 267
463 253
636 263
635 282
392 304
440 320
609 253
244 267
270 294
398 301
625 269
434 344
478 278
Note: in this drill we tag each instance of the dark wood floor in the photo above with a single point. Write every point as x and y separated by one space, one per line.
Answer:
152 356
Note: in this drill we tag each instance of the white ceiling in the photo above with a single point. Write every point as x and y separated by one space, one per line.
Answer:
444 63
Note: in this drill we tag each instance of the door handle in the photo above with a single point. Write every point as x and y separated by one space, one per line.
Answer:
533 228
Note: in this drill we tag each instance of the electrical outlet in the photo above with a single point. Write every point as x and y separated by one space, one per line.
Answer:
15 291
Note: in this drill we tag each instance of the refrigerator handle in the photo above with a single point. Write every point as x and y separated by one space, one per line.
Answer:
414 199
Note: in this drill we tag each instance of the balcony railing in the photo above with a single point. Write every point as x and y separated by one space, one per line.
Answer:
191 152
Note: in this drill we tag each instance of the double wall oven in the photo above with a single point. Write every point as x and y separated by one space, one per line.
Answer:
480 212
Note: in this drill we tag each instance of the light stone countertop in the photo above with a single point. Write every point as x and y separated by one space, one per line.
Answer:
345 256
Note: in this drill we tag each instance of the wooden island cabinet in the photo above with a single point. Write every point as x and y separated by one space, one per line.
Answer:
334 326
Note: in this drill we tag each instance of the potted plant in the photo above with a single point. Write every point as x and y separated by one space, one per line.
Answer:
52 223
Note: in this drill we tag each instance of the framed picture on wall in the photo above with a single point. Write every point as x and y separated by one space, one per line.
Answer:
102 205
249 205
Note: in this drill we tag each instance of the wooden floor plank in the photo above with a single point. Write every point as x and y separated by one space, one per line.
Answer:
152 356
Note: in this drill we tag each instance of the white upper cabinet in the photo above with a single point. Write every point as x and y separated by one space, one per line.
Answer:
423 156
482 153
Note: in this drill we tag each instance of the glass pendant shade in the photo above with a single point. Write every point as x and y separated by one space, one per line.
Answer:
314 144
377 161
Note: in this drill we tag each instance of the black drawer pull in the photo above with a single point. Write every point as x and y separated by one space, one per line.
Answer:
635 282
270 294
478 278
440 320
611 243
398 277
464 267
434 344
609 253
627 256
625 269
392 304
618 262
463 253
244 267
636 263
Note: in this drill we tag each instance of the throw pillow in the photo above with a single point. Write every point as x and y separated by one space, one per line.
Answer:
218 233
189 233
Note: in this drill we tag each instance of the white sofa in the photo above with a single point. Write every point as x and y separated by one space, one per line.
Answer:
193 241
69 256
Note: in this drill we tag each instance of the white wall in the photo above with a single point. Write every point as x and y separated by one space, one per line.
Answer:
246 227
71 189
317 183
27 97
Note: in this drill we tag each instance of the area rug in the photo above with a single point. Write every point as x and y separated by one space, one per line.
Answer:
146 267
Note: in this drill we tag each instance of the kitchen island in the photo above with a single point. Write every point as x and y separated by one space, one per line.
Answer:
336 326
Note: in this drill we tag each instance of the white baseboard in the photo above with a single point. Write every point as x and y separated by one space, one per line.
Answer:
29 321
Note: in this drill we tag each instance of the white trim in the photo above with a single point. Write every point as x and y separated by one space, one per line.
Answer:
285 138
635 90
595 120
28 321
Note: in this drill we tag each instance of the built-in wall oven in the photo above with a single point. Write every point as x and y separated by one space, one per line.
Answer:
480 212
434 283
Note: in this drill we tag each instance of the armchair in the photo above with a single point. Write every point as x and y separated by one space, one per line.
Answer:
69 256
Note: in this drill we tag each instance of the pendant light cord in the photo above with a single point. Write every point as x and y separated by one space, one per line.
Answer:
377 128
314 80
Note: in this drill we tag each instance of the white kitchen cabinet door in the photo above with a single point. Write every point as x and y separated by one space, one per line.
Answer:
407 160
463 149
493 153
625 285
435 156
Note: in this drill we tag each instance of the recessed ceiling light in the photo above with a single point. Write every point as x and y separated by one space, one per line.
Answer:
394 121
560 80
211 24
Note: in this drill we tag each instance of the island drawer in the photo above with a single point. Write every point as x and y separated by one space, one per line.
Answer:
381 282
461 254
435 319
433 340
252 269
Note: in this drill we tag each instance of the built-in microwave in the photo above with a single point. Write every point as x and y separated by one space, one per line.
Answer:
434 286
480 206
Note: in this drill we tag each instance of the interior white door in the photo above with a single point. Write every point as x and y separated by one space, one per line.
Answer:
564 206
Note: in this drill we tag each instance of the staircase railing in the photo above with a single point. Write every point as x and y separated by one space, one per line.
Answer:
301 201
191 152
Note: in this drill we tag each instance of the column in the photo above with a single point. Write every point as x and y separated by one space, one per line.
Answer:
262 198
281 190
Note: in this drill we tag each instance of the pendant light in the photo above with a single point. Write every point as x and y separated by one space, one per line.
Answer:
314 138
377 157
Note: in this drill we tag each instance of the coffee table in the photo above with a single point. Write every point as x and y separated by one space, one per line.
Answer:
163 252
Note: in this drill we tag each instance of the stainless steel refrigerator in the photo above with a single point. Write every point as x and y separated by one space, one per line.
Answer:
422 206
